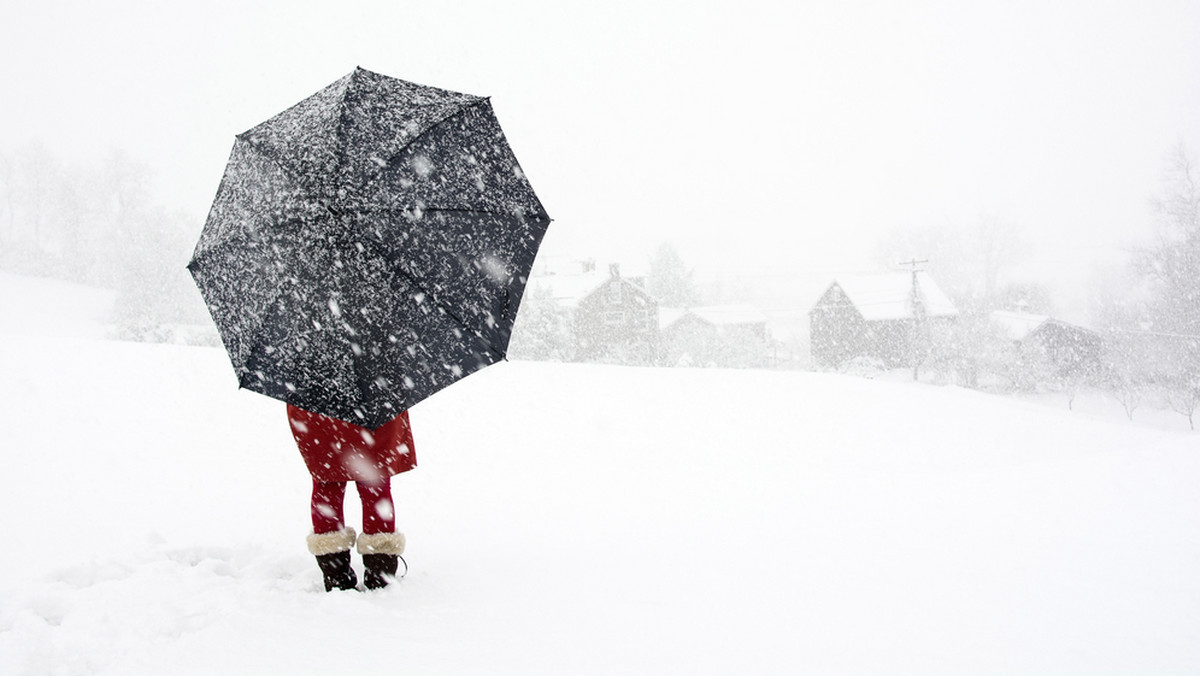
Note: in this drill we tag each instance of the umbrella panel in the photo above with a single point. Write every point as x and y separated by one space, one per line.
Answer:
462 164
256 196
348 335
453 257
344 134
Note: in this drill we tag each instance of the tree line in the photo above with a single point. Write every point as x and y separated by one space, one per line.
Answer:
1146 312
99 224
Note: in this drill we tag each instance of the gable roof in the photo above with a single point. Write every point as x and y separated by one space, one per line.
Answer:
887 296
669 315
1018 326
569 290
715 315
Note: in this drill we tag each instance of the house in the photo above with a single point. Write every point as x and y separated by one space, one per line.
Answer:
610 318
888 317
1070 351
732 336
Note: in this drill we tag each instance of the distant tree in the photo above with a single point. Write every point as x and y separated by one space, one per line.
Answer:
1032 370
33 176
1184 398
1024 297
8 173
968 263
1128 393
98 225
977 355
1172 264
957 351
996 246
1156 316
670 280
155 293
127 214
542 332
697 345
1125 368
942 247
1119 299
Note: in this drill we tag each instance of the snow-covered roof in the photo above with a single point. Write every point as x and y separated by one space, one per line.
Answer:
567 290
722 315
889 295
669 315
1019 325
716 315
1016 325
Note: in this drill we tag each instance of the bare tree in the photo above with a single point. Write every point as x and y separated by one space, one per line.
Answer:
968 263
1185 400
1025 296
154 291
542 331
1172 263
997 246
37 174
1129 395
8 174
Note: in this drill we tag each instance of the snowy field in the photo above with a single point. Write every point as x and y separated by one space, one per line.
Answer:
571 519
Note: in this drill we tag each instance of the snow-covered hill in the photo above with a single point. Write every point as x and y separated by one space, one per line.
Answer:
586 519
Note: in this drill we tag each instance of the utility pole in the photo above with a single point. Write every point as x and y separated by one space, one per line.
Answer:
919 315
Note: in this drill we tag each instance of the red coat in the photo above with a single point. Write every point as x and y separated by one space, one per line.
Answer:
338 451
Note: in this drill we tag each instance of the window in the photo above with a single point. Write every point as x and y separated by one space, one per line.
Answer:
614 292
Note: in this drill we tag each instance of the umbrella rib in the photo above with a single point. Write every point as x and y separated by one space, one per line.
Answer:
417 282
374 211
272 303
453 315
400 151
275 159
211 252
267 320
394 210
455 210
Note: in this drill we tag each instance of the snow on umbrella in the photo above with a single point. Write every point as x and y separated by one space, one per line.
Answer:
368 247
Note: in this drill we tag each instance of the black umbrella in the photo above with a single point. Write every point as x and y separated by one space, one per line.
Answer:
368 246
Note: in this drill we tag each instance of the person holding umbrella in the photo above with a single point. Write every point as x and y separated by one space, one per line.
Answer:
337 452
367 247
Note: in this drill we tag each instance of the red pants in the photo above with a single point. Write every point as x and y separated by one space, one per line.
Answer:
329 497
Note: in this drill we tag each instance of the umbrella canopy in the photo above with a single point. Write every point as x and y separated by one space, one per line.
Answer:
368 247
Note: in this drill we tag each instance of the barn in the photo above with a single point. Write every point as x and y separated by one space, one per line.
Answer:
1071 351
733 336
888 317
611 318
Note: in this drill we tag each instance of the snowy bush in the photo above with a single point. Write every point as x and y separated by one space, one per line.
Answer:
863 367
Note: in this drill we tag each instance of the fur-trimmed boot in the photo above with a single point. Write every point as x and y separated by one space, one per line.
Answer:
333 556
381 553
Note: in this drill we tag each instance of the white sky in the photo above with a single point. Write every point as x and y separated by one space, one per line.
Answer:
774 140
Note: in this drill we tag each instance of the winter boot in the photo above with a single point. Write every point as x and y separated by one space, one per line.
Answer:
381 557
333 556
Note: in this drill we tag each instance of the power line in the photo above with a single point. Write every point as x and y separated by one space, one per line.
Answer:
1164 334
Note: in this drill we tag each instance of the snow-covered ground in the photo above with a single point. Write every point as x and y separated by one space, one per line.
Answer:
572 519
